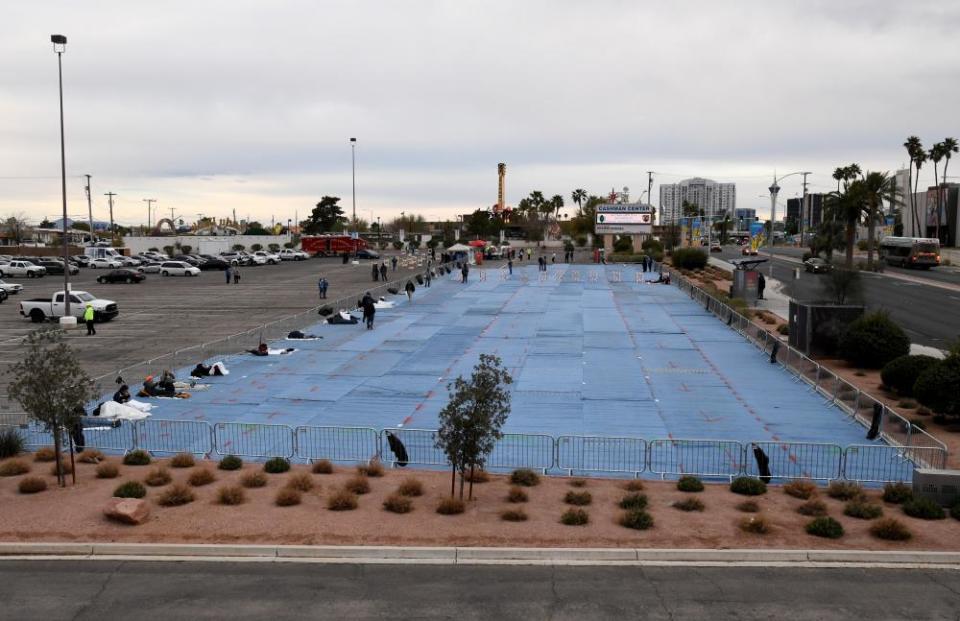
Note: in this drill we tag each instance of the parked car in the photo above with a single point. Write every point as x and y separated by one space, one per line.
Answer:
235 258
268 258
130 261
178 268
716 247
748 251
185 258
289 254
125 275
41 309
816 265
150 268
3 296
81 260
105 263
213 263
367 254
21 268
10 288
54 266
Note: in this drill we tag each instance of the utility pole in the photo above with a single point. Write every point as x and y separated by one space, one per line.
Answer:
89 208
353 176
650 186
774 190
110 196
149 202
803 208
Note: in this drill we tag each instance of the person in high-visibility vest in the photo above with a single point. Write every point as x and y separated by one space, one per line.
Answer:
88 315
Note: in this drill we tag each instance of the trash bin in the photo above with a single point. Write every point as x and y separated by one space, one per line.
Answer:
746 279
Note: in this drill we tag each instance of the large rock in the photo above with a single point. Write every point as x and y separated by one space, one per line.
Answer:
127 510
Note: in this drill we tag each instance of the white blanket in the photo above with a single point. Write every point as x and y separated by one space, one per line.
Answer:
139 405
383 304
279 352
111 410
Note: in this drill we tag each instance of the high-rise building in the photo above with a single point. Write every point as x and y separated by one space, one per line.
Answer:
711 197
814 211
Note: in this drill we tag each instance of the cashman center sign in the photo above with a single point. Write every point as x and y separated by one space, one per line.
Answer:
624 219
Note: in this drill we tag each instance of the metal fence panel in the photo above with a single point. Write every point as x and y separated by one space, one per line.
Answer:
894 428
174 436
420 445
337 443
719 458
601 454
101 434
877 463
798 460
253 440
521 450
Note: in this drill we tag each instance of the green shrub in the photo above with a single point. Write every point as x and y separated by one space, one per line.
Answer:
748 486
517 494
844 490
802 489
825 527
230 462
31 485
323 466
13 468
254 479
813 508
637 519
755 524
276 465
137 458
689 258
901 373
634 501
690 484
936 388
579 499
182 460
897 493
955 510
873 340
231 495
342 500
623 244
450 506
514 515
748 506
923 508
130 489
861 509
574 517
525 477
890 529
633 485
11 442
689 504
395 503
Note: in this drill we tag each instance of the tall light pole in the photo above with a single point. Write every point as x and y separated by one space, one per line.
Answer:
110 196
774 190
353 176
149 202
59 47
90 208
803 207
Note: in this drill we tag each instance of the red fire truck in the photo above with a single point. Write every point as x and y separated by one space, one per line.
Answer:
331 245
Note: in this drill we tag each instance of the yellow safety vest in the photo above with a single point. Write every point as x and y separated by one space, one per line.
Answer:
88 314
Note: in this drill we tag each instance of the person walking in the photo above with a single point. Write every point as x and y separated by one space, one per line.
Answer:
383 271
393 262
510 266
428 277
375 272
553 258
761 285
529 254
369 309
236 275
88 317
465 272
228 273
322 285
410 288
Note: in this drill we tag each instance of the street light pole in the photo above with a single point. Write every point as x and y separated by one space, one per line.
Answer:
353 176
59 46
774 190
90 208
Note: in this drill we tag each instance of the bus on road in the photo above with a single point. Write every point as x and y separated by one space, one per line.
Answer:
920 252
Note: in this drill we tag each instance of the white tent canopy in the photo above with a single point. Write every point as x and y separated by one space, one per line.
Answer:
459 248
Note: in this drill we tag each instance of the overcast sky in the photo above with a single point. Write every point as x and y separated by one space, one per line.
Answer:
210 106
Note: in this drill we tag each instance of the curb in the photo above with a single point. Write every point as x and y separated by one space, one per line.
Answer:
471 555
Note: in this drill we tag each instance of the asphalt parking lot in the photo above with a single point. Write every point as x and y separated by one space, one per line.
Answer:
162 315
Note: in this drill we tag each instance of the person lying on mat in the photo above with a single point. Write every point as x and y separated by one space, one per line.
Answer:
122 395
297 334
263 350
206 370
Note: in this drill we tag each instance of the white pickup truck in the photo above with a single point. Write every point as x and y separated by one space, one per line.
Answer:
40 309
22 268
289 254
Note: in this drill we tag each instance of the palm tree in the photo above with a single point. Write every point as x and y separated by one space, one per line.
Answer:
877 187
846 206
949 146
918 159
579 195
913 147
936 154
556 202
839 174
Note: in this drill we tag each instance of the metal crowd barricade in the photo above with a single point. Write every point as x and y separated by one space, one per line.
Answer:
103 435
348 444
253 440
601 454
877 463
926 450
174 436
520 450
798 460
420 445
894 428
709 458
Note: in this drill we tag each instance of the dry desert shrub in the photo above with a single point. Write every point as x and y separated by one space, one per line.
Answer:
513 515
231 495
324 466
689 504
633 485
579 499
287 497
107 470
32 485
525 477
577 482
891 530
137 457
182 460
90 456
342 500
410 487
65 467
477 476
372 468
45 453
14 467
755 524
813 508
302 482
844 490
637 519
157 477
175 496
254 479
802 489
517 494
574 517
748 506
634 502
395 503
201 476
862 509
358 484
450 506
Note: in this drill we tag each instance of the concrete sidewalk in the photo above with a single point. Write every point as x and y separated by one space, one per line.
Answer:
775 301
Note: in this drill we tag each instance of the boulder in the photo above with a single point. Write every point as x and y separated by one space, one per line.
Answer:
127 510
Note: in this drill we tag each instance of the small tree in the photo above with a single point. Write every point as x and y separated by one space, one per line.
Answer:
842 285
50 385
256 247
185 249
168 250
273 247
470 423
239 247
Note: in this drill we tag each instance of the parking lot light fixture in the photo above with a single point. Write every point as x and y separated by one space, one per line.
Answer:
59 47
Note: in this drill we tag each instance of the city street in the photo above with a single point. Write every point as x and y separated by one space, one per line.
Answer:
74 589
926 312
